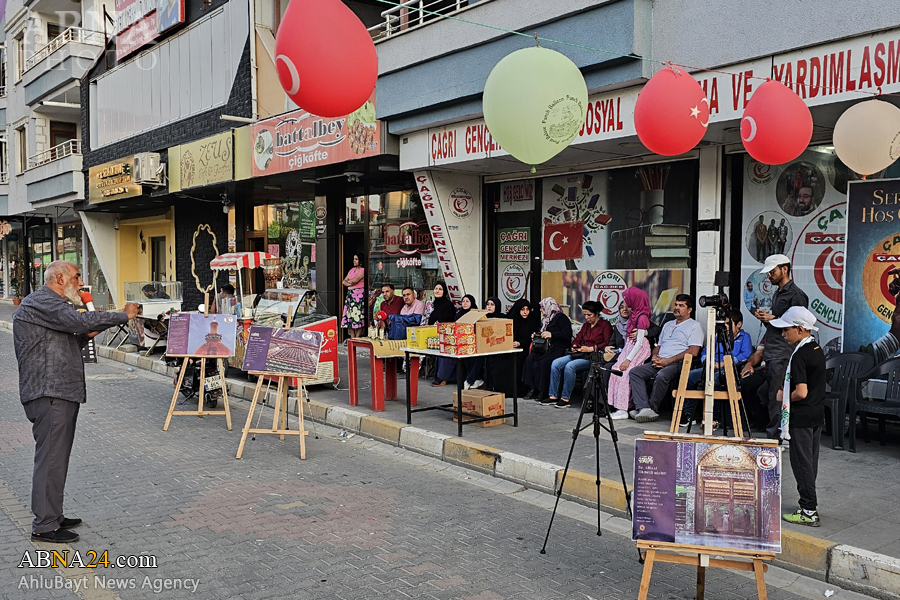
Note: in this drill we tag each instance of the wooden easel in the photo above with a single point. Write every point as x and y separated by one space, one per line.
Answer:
699 556
281 406
202 390
731 394
281 411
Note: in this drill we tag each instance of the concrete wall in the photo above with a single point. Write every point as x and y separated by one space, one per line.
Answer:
707 33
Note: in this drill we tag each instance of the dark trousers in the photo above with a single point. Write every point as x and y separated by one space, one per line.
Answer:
804 451
775 370
641 375
53 426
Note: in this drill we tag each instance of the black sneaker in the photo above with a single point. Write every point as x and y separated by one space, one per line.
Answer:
70 523
60 536
547 401
562 404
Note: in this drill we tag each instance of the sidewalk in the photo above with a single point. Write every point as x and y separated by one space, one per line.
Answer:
857 546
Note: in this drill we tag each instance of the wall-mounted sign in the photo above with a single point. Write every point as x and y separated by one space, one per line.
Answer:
515 195
300 140
139 22
113 181
200 163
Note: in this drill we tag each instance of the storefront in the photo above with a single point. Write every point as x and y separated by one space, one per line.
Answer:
11 266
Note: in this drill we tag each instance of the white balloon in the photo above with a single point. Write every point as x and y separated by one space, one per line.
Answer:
867 136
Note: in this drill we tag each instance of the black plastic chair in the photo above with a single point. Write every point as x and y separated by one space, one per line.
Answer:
889 372
846 368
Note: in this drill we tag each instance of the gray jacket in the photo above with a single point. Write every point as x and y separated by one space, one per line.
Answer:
48 335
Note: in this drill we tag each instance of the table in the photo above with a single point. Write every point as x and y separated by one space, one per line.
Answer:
382 387
413 375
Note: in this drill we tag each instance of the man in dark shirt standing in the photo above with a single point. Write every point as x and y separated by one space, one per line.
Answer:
48 335
774 349
805 384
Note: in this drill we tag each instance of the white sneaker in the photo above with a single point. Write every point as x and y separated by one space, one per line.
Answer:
477 385
619 415
465 385
632 413
645 415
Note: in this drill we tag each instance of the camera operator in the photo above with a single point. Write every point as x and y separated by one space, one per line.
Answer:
741 349
774 349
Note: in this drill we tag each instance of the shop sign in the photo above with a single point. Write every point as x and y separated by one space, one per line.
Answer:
514 265
139 22
113 181
607 290
407 238
300 140
204 162
461 203
515 196
439 235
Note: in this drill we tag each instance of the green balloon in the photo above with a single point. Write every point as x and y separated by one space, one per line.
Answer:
534 103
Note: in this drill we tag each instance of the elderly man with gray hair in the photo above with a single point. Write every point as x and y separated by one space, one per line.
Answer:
49 334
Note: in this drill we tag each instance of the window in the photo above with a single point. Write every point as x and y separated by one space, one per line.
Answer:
4 164
19 45
60 132
2 71
53 31
21 151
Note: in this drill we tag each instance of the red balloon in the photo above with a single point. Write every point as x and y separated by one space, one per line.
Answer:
671 113
325 58
777 125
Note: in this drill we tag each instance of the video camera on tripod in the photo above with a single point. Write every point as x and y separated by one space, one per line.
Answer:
718 301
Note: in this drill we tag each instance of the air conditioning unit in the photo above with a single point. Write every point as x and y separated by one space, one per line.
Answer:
148 170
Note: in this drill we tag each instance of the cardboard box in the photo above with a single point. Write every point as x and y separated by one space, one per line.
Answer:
473 333
417 337
483 404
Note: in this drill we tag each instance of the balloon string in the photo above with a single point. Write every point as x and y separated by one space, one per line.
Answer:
621 55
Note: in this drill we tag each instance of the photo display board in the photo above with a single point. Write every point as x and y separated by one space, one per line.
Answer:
720 495
202 336
288 351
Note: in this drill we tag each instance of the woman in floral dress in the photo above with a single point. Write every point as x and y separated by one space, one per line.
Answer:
354 314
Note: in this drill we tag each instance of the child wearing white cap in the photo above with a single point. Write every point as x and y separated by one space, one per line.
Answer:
803 413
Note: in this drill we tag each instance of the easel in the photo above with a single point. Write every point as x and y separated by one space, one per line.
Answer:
202 390
281 407
670 552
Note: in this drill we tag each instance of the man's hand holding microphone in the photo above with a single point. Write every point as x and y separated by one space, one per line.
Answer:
132 309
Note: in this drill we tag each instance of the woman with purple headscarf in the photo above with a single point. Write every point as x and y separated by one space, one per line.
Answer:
635 352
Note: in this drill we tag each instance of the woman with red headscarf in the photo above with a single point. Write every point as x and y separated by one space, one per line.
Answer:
635 352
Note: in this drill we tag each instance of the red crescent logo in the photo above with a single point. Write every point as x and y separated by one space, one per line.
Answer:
836 267
511 287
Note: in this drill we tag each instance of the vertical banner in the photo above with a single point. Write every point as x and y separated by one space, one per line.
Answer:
452 204
872 291
514 265
797 209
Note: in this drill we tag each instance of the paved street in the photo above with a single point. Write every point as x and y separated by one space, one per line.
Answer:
357 519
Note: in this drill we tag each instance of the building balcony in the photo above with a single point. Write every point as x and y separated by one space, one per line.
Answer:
58 67
55 175
415 13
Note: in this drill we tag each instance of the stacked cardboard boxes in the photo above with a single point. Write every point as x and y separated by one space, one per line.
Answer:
473 333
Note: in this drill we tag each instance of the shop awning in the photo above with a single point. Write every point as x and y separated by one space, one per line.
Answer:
238 260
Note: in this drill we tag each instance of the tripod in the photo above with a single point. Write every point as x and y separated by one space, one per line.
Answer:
591 395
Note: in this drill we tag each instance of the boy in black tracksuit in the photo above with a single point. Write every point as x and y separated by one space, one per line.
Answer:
806 381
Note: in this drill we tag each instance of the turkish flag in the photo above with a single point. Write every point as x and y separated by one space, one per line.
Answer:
562 241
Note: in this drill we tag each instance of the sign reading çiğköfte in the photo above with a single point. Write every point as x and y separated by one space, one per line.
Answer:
113 181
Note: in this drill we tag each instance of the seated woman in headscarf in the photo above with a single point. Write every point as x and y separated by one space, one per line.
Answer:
446 367
635 352
498 369
557 330
593 337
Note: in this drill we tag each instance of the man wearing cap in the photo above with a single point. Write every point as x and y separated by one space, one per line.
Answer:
774 349
803 413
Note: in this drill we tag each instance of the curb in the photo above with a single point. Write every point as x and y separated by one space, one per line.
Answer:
852 568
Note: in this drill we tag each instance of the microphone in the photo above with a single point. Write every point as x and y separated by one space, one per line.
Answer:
88 300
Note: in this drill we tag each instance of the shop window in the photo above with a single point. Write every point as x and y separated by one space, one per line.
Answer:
355 217
292 237
96 279
400 247
68 243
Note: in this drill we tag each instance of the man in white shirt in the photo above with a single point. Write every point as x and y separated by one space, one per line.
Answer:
682 336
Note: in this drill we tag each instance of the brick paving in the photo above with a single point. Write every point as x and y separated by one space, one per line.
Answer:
357 519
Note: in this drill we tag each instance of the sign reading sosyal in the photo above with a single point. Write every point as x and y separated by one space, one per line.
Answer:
113 181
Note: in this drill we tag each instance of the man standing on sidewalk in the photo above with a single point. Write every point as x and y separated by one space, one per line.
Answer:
803 413
48 335
774 349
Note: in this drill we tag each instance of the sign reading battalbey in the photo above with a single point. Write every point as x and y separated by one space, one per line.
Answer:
113 181
301 140
139 22
200 163
712 494
872 269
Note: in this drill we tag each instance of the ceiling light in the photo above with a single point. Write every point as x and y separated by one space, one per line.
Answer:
388 168
311 181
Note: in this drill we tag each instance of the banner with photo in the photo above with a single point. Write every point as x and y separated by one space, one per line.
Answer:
799 210
873 269
707 494
199 335
573 288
